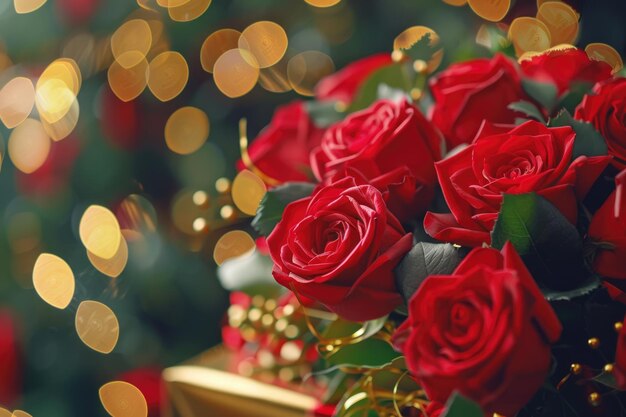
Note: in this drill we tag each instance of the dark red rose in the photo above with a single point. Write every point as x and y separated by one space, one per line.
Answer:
378 140
619 369
484 331
605 108
404 195
528 158
148 381
343 85
281 150
607 231
10 368
469 92
339 247
565 67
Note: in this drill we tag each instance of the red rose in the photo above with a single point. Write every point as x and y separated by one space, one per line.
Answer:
564 67
608 232
378 140
528 158
281 151
484 331
469 92
605 108
343 85
619 369
339 247
10 370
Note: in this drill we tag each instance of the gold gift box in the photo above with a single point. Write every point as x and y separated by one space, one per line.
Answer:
209 386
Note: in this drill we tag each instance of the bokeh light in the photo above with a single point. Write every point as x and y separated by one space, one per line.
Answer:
305 70
561 20
606 53
215 45
234 74
492 10
231 245
133 36
29 146
168 75
17 99
53 280
266 41
100 232
121 399
529 34
97 326
113 266
188 11
128 83
186 130
248 191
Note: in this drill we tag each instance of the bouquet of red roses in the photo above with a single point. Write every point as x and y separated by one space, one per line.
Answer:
463 232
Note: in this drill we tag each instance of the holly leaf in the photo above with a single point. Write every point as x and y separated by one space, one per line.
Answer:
588 141
460 406
425 259
323 113
545 94
393 76
527 108
549 244
271 209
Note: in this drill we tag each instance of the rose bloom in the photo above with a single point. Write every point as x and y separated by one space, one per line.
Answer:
608 232
343 85
339 247
619 369
528 158
484 331
378 141
605 109
565 67
281 150
469 92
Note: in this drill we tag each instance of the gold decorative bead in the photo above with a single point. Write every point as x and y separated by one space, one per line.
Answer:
420 66
618 326
594 399
416 94
608 368
576 369
397 55
594 343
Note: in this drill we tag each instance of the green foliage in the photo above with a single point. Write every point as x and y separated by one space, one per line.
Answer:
549 244
395 76
528 109
370 353
323 113
588 142
270 210
425 259
545 94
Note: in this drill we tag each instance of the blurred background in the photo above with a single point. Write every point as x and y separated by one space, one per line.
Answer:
167 299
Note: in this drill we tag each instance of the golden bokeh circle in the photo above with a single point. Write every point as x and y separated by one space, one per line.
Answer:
275 79
57 89
29 146
172 3
306 69
121 399
133 36
456 3
529 34
53 280
561 20
168 75
233 74
414 34
114 266
247 191
63 127
491 10
5 413
189 11
128 83
97 326
606 53
100 232
231 245
186 130
21 413
27 6
322 3
137 214
17 99
215 45
266 41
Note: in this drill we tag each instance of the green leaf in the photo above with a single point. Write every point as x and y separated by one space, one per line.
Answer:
585 288
393 76
425 259
588 142
606 378
527 108
371 353
572 98
460 406
341 328
270 210
545 94
323 113
549 244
